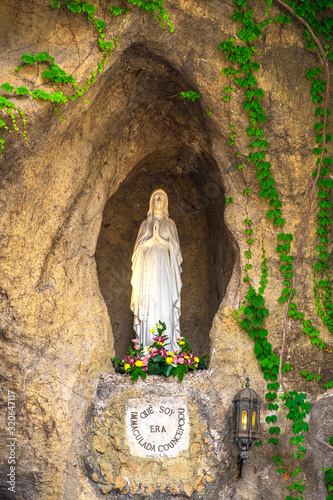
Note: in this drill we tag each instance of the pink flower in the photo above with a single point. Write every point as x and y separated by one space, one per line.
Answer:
137 347
154 351
181 361
175 360
180 338
131 361
159 339
145 360
136 341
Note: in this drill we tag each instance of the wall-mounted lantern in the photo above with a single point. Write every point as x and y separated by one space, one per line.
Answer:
245 421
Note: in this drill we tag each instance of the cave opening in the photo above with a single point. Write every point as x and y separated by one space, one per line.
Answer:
196 204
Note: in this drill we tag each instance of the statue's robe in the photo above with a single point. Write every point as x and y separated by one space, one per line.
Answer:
156 283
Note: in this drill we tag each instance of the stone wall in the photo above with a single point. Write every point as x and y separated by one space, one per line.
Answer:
58 321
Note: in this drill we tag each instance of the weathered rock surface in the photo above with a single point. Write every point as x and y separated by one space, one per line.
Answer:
60 322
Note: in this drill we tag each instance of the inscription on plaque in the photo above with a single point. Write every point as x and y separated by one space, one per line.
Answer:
157 427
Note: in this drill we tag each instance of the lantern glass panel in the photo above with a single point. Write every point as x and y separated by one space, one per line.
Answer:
253 420
244 420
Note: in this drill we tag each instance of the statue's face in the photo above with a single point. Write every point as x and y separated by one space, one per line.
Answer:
159 201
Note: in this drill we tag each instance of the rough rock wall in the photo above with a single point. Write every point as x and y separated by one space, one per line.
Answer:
56 334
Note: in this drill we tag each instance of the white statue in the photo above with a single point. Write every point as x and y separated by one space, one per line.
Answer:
156 269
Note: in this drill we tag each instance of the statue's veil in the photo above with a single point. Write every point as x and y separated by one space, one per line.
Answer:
151 207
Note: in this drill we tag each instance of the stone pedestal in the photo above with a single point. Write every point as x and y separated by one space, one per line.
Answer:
153 437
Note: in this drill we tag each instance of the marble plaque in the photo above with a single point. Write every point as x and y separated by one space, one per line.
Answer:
157 427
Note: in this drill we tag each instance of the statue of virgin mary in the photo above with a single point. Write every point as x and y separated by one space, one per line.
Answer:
156 269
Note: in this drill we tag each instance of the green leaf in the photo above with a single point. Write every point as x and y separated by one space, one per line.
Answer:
73 7
249 312
119 369
257 301
190 95
88 8
257 321
135 374
154 369
55 5
167 370
158 359
7 88
22 91
28 59
100 26
117 10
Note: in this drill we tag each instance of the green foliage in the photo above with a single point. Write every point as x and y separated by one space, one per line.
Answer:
42 57
157 360
191 95
242 74
309 377
155 8
117 11
228 201
329 480
57 75
298 410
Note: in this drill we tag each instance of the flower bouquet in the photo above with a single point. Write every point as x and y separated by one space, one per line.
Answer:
157 360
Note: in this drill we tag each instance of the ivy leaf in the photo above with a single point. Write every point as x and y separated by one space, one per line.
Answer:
55 5
257 321
28 59
249 312
73 7
7 88
22 91
89 9
117 10
100 26
257 301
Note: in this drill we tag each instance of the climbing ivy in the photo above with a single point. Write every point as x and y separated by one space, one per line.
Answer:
242 72
329 480
57 75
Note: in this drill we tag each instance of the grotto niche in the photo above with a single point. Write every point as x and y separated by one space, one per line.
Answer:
196 204
162 142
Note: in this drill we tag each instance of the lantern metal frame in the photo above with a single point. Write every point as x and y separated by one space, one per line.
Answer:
245 421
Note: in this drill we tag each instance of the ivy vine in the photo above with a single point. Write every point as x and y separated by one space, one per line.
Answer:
242 72
57 75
